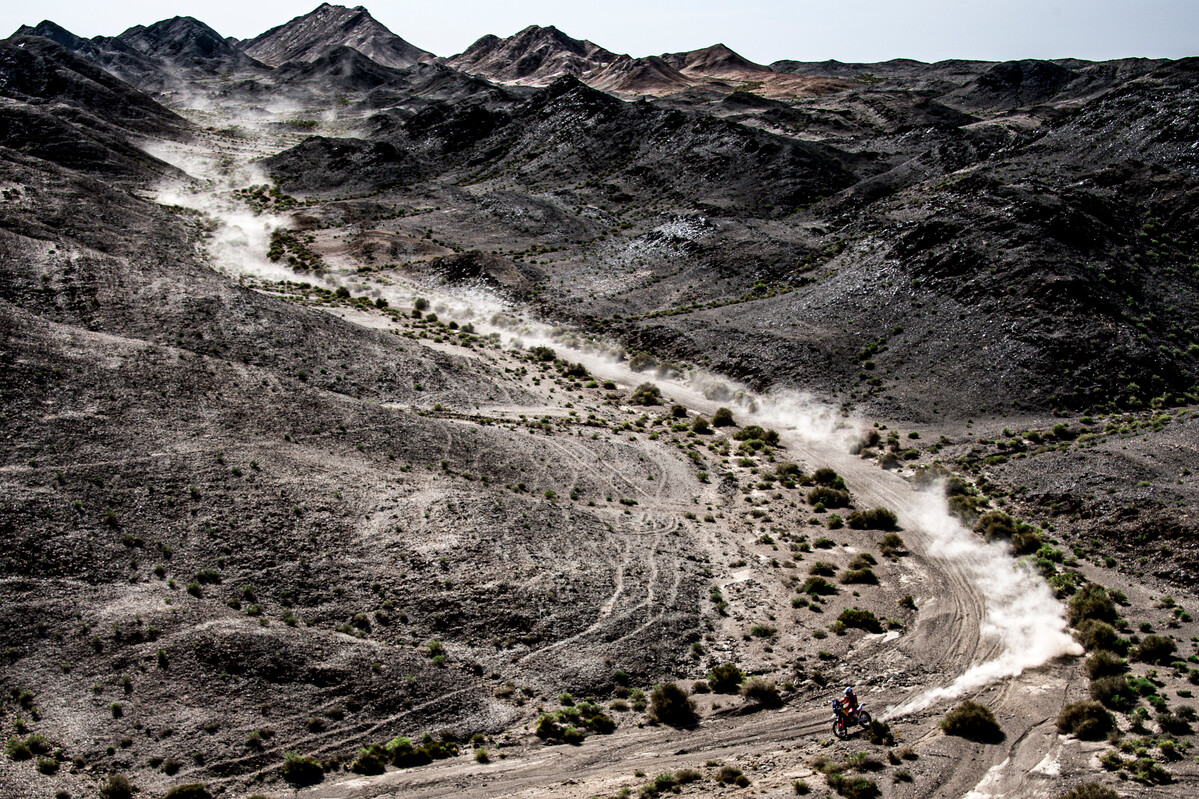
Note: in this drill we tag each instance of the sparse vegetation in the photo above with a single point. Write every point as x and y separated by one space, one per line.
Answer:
973 722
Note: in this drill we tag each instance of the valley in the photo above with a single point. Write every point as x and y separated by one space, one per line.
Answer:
381 424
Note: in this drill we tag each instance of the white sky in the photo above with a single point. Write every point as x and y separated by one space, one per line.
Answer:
761 30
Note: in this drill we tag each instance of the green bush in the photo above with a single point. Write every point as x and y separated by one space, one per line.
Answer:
762 691
973 722
818 586
573 736
669 704
301 771
1095 635
117 786
725 678
995 524
891 545
701 426
823 568
370 760
757 433
862 619
1091 602
17 749
191 791
1089 721
864 575
1103 663
873 519
646 394
828 497
1114 692
1156 649
723 418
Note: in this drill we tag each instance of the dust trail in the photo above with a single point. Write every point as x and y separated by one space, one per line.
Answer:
1021 611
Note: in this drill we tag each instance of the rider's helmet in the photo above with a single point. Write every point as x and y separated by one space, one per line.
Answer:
848 691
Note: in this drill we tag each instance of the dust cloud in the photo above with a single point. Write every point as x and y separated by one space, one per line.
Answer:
1021 611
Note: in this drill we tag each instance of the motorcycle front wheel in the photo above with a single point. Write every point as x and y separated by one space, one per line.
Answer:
840 729
864 719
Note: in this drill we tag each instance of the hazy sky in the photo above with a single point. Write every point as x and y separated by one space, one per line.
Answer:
762 30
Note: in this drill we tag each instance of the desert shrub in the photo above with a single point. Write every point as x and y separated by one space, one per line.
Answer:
828 497
370 760
301 771
208 576
725 678
1025 542
1089 790
818 586
1100 635
1114 692
1090 721
972 721
862 619
17 749
879 733
891 545
1155 649
701 426
1091 602
864 575
723 418
731 775
642 361
1174 723
646 394
762 691
685 776
789 471
995 524
853 787
1103 663
757 433
669 704
547 727
573 736
822 543
193 790
823 568
873 519
862 560
117 786
544 354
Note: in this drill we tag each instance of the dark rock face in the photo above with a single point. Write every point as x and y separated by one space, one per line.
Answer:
313 35
534 55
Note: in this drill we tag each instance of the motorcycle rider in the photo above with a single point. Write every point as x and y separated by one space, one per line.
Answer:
849 702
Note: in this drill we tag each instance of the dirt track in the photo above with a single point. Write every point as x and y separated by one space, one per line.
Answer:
946 639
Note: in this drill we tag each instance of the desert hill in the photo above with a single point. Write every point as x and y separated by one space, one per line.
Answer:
381 424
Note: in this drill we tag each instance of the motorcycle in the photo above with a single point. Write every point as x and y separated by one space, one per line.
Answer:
844 721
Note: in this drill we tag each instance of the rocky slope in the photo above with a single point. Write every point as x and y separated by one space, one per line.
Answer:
333 421
317 33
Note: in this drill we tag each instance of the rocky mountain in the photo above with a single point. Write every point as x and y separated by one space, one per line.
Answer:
716 61
158 56
534 56
518 423
63 109
317 33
